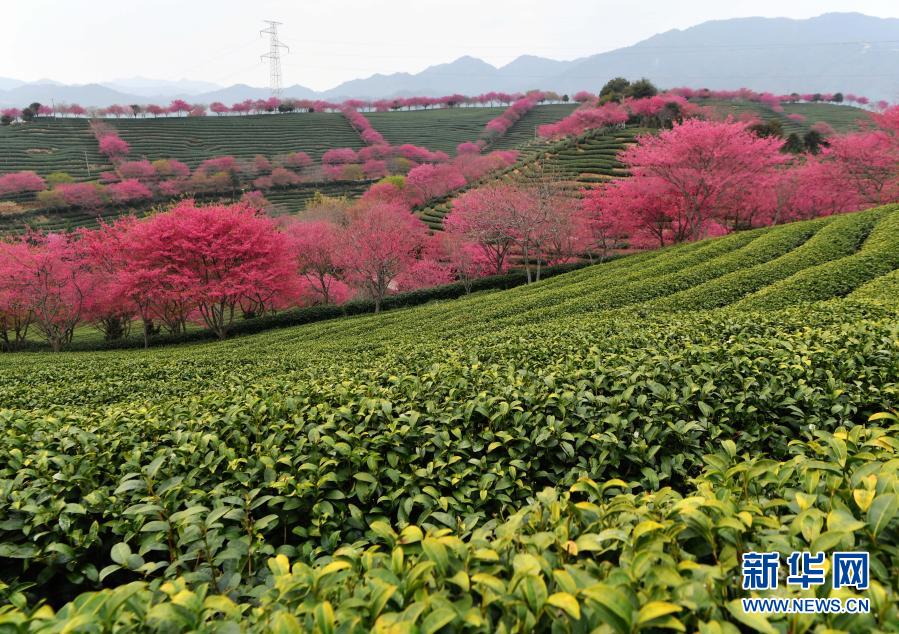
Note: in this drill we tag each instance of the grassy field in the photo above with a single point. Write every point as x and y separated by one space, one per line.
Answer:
592 451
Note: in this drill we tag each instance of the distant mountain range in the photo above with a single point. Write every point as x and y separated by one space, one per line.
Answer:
847 52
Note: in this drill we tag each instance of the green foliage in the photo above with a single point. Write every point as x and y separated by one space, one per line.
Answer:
768 128
831 238
641 89
397 180
607 554
793 144
57 178
615 86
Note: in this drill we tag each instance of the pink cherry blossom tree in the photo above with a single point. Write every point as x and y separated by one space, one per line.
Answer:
20 183
381 243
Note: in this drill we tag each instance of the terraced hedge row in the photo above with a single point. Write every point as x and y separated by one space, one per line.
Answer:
836 238
878 256
884 289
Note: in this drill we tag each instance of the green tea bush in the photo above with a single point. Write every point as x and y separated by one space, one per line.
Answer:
608 555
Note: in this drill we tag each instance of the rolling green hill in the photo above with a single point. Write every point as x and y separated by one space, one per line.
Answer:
437 129
193 139
51 145
598 448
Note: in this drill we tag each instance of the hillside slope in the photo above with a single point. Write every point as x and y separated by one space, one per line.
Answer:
447 419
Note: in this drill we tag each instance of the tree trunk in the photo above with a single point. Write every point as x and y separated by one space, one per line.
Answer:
527 262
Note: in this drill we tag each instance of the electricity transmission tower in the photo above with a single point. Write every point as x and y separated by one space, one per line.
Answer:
274 56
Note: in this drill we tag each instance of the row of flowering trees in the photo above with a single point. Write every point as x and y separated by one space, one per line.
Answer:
181 108
656 111
772 100
431 174
210 265
135 181
498 126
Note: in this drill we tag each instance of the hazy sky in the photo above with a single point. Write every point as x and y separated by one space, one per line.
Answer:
80 41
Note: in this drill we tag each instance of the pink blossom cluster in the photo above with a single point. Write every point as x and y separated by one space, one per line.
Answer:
210 264
702 178
363 126
586 118
21 183
430 181
375 161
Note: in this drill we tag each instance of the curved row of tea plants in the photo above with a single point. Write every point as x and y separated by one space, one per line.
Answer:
841 237
878 256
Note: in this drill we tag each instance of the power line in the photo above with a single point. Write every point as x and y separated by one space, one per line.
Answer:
274 56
